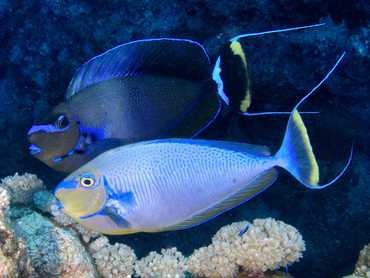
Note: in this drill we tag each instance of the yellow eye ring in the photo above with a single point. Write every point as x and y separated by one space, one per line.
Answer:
87 181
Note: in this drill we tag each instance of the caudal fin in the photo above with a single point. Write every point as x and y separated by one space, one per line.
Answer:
296 152
296 155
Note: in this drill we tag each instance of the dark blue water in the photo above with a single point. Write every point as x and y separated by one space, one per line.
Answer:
42 43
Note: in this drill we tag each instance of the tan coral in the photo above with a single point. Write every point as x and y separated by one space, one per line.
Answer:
208 261
21 188
266 245
362 268
115 261
4 208
98 244
170 264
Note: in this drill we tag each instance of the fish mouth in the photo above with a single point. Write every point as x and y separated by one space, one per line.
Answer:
34 149
60 206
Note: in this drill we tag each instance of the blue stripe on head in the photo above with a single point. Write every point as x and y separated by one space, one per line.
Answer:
46 128
71 184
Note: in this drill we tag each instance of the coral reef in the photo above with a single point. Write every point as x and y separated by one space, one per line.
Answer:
266 245
22 188
13 254
54 251
171 263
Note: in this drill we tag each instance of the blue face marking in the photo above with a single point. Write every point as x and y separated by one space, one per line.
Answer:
71 184
46 128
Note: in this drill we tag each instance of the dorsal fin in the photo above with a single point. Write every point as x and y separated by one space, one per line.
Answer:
255 187
255 150
162 57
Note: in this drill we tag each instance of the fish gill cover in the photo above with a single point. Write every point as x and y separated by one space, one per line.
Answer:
44 42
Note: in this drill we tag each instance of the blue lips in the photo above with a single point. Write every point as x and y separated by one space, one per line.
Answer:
34 149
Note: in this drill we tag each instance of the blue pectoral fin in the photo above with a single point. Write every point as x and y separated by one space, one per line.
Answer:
116 217
112 213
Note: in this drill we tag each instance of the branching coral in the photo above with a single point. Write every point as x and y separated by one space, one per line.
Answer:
170 264
21 188
115 260
98 244
266 245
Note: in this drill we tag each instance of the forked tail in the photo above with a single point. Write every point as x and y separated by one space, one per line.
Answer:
296 155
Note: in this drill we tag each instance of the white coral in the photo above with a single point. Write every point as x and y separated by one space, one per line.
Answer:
4 208
170 263
115 260
98 244
4 199
21 188
266 245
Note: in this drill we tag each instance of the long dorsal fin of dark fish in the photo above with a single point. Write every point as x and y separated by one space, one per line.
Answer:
275 31
250 190
105 144
179 58
231 55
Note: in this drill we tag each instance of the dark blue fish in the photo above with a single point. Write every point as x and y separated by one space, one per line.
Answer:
141 90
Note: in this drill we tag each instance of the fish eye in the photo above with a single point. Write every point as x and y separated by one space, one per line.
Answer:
87 181
62 122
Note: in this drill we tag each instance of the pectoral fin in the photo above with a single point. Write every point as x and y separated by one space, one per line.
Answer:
116 217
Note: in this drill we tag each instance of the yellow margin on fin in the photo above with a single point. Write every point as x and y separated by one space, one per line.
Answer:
313 176
238 50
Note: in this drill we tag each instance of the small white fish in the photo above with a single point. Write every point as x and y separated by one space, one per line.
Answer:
173 184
